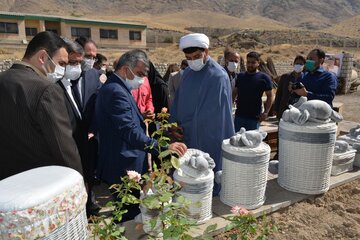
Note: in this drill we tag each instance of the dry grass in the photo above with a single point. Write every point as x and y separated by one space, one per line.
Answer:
196 18
11 53
349 27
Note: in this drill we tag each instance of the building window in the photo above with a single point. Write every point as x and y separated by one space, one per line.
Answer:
30 31
52 30
8 27
135 35
80 32
108 33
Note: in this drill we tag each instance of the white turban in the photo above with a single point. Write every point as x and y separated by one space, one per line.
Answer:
194 40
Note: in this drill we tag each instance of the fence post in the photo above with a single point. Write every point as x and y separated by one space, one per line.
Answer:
156 40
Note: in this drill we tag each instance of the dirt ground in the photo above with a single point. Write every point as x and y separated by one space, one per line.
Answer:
333 215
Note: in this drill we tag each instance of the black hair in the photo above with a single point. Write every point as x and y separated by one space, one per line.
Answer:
301 58
192 49
84 40
319 52
48 41
254 55
73 47
100 58
131 58
184 62
228 51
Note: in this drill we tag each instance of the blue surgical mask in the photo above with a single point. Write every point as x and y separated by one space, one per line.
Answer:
310 65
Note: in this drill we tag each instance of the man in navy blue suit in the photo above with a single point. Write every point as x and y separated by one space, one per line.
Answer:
121 129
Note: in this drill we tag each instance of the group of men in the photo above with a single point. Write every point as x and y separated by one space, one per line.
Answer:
54 108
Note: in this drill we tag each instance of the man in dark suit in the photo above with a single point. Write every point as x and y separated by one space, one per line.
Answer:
89 83
80 133
122 137
34 124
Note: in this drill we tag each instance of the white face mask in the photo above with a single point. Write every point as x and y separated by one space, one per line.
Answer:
72 72
103 68
232 66
136 82
197 64
298 68
87 64
57 74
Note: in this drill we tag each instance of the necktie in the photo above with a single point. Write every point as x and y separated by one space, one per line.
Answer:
76 93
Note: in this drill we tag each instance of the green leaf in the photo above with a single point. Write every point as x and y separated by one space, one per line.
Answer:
175 162
230 226
153 222
162 142
210 228
233 236
164 154
116 233
165 197
151 202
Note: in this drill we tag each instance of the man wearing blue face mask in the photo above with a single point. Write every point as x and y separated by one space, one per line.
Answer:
318 83
202 105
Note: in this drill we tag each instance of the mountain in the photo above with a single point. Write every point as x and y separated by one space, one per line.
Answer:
307 14
349 27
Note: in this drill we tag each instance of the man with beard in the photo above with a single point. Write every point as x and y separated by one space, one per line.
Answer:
249 88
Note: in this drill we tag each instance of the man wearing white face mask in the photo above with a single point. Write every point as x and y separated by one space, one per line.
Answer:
122 138
80 134
89 83
233 63
34 124
287 83
202 104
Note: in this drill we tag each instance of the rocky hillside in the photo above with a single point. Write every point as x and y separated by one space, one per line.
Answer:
305 14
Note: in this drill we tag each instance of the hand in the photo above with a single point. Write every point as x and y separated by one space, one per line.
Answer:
301 91
180 148
148 114
263 116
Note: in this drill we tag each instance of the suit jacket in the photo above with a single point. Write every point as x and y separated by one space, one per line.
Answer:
79 132
35 129
121 130
89 89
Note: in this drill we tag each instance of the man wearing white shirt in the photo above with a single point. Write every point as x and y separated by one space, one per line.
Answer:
80 134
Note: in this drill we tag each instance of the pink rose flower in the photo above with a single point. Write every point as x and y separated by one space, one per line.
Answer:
235 209
133 175
239 210
243 211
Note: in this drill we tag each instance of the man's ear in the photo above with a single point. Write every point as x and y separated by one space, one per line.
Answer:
41 56
206 51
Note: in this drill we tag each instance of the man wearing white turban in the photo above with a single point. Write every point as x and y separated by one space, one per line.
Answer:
202 104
